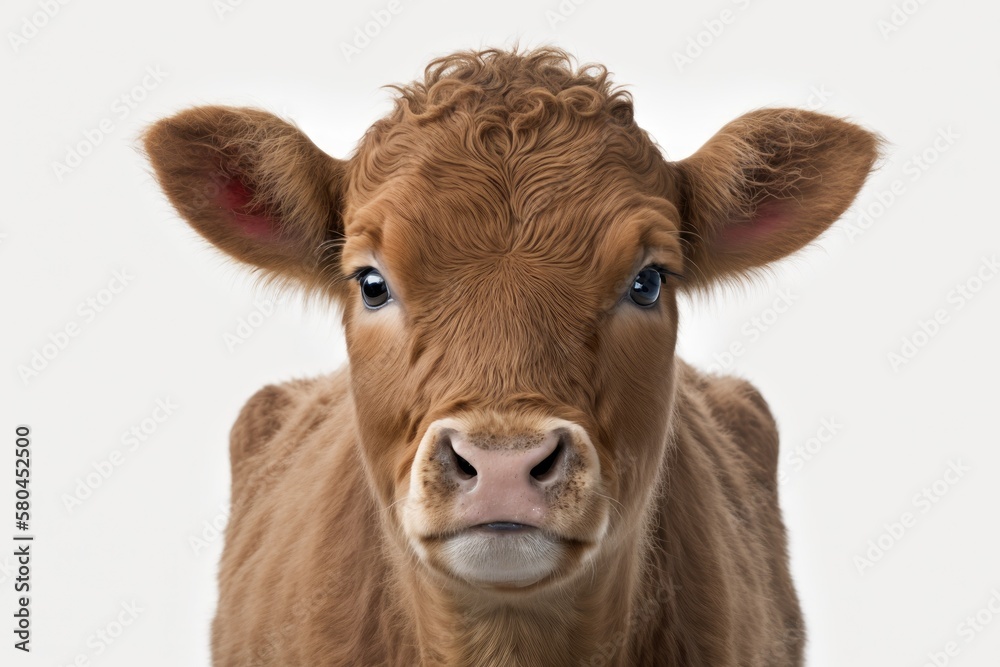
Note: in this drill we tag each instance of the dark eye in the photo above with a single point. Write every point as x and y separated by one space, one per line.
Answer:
374 290
645 288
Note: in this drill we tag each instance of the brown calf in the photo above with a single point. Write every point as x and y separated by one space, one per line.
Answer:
514 468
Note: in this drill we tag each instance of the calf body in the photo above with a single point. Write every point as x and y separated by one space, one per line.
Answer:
514 468
309 577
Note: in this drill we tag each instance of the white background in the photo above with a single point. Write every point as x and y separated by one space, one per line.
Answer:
855 295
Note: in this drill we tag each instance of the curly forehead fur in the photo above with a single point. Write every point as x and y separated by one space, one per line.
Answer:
510 137
512 85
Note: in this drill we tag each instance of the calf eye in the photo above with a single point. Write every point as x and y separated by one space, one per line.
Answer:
645 288
374 290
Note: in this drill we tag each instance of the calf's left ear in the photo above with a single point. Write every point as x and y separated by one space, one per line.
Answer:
766 185
253 185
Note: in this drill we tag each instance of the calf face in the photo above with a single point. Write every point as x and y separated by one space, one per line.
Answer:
507 247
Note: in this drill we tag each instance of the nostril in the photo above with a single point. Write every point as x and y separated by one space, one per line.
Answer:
464 465
546 467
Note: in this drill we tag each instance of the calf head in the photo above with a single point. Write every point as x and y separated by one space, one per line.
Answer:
507 247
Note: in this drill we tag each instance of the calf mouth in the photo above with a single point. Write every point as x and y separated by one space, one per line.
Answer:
505 527
502 554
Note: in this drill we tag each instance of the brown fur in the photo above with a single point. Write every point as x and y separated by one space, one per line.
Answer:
508 200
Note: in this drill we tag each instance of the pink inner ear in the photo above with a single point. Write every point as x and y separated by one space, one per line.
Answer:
769 221
252 221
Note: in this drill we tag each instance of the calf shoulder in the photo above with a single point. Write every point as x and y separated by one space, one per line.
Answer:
740 409
725 465
273 424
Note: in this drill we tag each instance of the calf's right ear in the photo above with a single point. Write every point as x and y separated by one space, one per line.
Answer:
253 185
